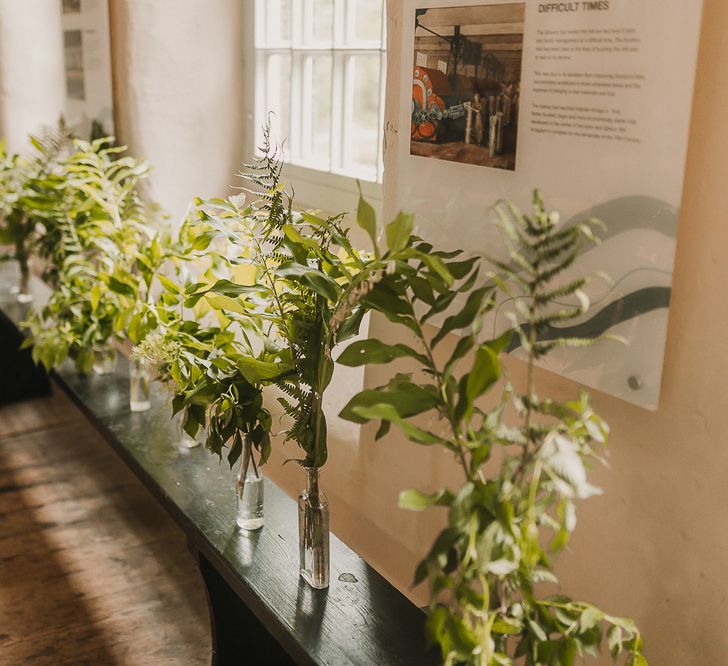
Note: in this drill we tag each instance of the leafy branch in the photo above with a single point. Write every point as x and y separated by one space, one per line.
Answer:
521 479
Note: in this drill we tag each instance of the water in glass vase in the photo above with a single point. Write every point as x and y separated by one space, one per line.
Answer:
139 386
313 532
249 491
184 440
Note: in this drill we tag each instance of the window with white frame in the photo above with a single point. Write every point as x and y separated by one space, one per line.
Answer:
320 70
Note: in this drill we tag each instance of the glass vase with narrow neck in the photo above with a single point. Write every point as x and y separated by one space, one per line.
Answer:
249 490
313 532
184 440
105 358
140 389
23 293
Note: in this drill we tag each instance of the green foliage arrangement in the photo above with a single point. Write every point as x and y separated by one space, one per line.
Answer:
315 287
15 227
100 249
20 176
516 507
252 293
300 269
211 349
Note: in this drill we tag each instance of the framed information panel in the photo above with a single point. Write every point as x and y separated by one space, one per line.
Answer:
587 101
87 60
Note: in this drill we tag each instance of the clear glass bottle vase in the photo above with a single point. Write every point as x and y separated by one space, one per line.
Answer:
249 490
23 293
185 441
140 398
105 358
313 532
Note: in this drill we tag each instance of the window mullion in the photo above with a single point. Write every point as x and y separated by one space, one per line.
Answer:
348 66
337 112
380 132
296 117
297 21
306 152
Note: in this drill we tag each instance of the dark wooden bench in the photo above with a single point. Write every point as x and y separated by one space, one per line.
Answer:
261 612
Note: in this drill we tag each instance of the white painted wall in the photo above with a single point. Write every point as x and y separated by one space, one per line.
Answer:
178 86
32 78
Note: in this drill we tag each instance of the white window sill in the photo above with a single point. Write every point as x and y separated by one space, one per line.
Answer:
329 192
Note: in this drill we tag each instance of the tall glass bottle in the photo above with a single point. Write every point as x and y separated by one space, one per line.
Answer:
23 293
313 532
139 385
249 490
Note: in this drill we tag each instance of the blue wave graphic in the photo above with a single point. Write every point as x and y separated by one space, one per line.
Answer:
633 305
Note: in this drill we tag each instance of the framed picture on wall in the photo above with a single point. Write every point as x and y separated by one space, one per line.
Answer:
588 102
466 83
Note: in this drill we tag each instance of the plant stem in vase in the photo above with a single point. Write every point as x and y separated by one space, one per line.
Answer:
184 439
249 490
139 385
313 531
24 294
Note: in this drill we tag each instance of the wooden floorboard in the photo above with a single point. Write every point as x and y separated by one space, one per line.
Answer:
42 413
92 571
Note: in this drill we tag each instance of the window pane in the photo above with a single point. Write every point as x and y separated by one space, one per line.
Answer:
323 21
365 19
278 95
363 125
278 21
322 77
317 114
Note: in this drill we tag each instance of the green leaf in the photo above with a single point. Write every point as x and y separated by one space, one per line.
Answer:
614 640
121 287
501 567
256 371
387 412
233 289
485 373
292 234
366 218
202 241
466 316
435 628
568 652
464 345
95 296
420 573
399 232
537 630
364 352
315 280
414 500
590 618
504 627
501 343
169 285
438 266
220 302
409 401
459 269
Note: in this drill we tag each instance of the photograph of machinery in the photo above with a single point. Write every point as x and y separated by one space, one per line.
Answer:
466 83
